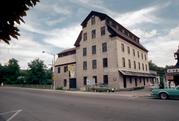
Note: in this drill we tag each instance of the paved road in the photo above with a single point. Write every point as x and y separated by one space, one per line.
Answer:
35 105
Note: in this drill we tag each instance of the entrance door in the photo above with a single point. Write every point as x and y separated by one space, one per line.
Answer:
72 83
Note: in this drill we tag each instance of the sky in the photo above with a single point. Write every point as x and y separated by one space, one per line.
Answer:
53 25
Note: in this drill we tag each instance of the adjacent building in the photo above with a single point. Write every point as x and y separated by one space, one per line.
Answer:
106 53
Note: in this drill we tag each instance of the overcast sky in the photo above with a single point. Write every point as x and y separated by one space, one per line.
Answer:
53 25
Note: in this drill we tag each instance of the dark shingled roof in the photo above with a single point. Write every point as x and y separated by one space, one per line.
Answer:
112 30
118 33
66 52
77 42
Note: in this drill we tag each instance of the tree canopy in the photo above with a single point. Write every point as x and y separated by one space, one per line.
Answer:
154 67
37 73
11 12
9 73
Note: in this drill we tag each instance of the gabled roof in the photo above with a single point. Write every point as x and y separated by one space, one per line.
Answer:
133 39
100 15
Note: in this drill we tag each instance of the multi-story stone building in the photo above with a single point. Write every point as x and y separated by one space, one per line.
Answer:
105 53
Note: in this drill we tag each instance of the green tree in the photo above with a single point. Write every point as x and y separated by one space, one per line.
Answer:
22 77
154 67
49 76
160 71
11 13
10 72
13 70
1 73
37 72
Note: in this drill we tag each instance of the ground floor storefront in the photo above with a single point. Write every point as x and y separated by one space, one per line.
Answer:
136 79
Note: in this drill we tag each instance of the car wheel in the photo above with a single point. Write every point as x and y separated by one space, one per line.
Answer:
163 96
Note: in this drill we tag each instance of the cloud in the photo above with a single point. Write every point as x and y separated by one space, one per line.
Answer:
144 15
47 28
30 27
144 35
54 8
162 48
63 38
55 21
94 5
25 49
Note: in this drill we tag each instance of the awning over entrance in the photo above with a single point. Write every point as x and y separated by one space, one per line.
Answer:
136 74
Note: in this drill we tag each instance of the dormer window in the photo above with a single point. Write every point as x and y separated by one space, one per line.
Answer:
123 31
132 37
92 20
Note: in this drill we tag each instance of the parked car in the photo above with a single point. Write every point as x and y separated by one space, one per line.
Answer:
166 93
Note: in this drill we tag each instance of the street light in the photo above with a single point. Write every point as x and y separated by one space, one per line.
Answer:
53 67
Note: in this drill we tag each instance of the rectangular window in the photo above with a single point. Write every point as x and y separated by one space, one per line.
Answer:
138 54
94 49
145 57
142 66
102 30
133 52
93 34
64 82
95 79
84 65
142 56
129 61
104 47
84 51
105 62
122 47
134 65
146 67
139 65
85 81
65 68
84 36
105 79
94 64
123 62
59 69
92 20
128 50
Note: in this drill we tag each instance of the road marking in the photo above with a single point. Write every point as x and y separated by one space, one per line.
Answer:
15 114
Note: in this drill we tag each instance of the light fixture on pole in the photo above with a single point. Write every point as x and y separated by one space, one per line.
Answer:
53 67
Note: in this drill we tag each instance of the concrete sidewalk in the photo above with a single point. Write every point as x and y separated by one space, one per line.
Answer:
135 93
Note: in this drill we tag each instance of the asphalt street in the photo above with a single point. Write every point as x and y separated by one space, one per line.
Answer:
17 104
